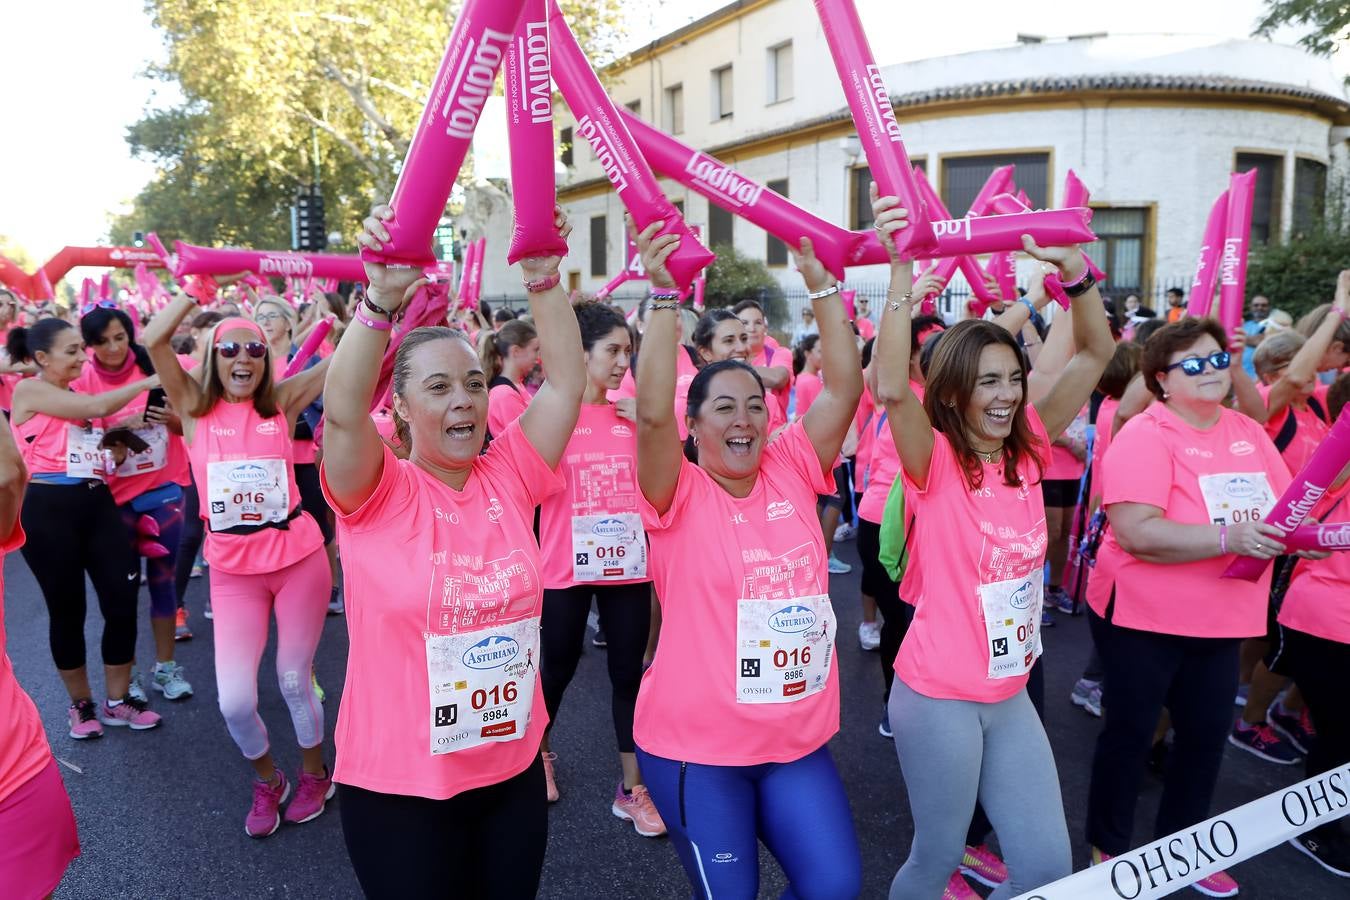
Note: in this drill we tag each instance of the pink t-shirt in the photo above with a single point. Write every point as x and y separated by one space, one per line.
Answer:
94 380
1318 599
23 748
967 538
1064 466
883 465
808 389
478 540
235 433
1106 416
709 551
1309 431
42 443
599 472
866 330
1159 460
505 404
773 355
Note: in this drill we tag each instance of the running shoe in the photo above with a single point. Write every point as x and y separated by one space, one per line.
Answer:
599 639
335 606
1262 741
884 728
181 631
169 681
1296 729
312 794
845 532
1057 598
869 635
1047 620
130 713
84 722
207 612
984 866
1088 695
1331 852
136 688
197 570
1241 698
550 785
959 889
838 566
637 807
264 817
318 688
1220 884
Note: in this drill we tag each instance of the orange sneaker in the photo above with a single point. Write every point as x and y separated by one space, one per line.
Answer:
181 631
637 807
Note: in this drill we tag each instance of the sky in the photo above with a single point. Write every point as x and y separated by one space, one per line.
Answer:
74 82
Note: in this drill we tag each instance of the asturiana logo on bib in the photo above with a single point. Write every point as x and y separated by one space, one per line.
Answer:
608 528
491 652
1021 598
792 619
249 473
1239 488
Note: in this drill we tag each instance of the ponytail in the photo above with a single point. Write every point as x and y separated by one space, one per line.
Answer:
493 346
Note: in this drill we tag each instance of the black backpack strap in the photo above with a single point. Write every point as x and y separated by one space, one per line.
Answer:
1317 407
1287 430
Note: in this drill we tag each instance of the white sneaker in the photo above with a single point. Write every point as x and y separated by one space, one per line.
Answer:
845 532
136 687
869 635
169 681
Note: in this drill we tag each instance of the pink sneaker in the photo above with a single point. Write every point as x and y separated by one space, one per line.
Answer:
130 712
959 889
551 785
984 866
311 794
265 816
84 721
1220 884
637 807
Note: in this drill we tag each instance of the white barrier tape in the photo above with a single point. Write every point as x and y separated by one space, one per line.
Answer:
1178 860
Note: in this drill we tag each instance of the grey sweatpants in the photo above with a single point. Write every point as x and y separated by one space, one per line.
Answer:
952 751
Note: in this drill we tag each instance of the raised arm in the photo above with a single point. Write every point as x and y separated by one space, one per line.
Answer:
33 395
13 480
1091 336
1302 369
827 421
552 414
658 461
302 388
183 391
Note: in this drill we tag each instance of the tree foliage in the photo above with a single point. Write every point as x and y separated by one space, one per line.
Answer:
1300 273
1327 21
733 277
268 83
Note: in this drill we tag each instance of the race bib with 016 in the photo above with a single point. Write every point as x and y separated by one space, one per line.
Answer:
482 685
1012 619
153 458
1232 498
784 648
84 454
247 492
608 548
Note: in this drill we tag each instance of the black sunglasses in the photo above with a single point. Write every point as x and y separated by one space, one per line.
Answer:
255 349
1194 365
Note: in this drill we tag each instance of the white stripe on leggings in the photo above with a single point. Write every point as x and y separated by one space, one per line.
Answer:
698 858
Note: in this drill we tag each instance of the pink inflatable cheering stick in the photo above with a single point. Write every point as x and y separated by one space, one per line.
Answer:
1003 266
309 347
194 260
599 123
1207 266
529 122
471 285
88 294
105 289
1236 240
1308 486
158 246
463 83
700 287
989 234
874 118
1319 537
970 269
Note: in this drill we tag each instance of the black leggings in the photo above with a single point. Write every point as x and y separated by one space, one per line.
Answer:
896 614
73 529
625 616
194 529
484 843
311 498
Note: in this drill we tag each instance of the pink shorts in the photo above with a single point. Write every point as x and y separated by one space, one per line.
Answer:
37 836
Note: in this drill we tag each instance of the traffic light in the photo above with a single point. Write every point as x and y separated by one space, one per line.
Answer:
310 233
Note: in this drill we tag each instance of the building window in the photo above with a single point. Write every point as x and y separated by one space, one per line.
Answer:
722 98
675 109
780 73
599 243
860 200
1310 194
720 225
565 140
775 251
1268 194
963 176
679 207
1122 235
635 107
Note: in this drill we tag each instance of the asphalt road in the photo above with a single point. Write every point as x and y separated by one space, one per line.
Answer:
161 813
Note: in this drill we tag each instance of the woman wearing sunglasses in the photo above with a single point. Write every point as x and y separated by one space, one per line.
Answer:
266 553
1186 484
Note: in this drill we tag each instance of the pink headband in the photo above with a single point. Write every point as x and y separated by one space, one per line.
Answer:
238 322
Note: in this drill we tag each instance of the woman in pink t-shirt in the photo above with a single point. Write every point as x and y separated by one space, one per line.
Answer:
266 553
1186 484
971 455
721 335
508 355
438 734
734 715
772 362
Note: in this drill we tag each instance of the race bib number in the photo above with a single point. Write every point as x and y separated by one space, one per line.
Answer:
608 548
784 649
247 492
151 459
1012 624
84 457
482 685
1232 498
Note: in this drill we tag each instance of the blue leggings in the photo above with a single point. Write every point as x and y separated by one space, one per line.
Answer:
159 572
716 814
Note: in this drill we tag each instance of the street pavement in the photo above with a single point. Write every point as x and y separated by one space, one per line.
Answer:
161 813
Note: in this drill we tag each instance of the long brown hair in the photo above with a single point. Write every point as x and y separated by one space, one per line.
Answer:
951 383
264 397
